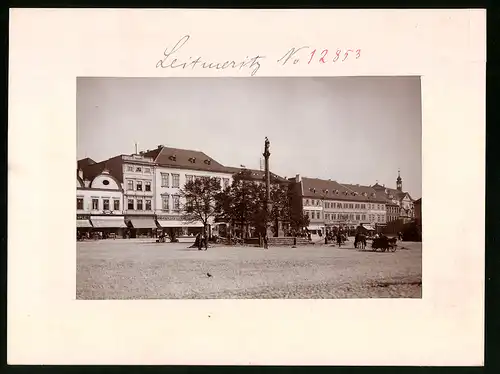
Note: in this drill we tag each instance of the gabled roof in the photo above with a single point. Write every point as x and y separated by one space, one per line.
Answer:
397 194
328 189
85 162
114 165
184 159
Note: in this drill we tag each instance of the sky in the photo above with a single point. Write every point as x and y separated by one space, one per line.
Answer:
348 129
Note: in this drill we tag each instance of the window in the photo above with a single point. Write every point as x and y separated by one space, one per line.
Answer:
164 202
189 178
130 204
164 179
138 185
363 206
175 201
147 186
346 205
363 217
226 182
139 204
148 204
307 202
317 215
147 170
175 180
116 204
351 216
358 217
79 203
105 182
105 204
95 204
339 205
130 168
138 169
130 185
351 206
357 206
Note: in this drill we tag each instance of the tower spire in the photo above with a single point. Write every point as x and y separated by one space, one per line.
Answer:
399 182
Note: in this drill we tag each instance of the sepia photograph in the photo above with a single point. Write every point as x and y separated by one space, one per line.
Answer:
249 188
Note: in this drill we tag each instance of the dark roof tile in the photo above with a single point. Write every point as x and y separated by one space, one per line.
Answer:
328 189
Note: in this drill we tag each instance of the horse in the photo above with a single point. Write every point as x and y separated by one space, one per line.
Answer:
362 241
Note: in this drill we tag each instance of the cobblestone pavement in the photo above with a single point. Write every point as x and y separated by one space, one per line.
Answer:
119 269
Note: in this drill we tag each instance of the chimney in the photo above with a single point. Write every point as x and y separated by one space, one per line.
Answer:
80 173
297 178
160 146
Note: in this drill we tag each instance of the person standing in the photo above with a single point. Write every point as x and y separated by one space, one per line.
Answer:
198 241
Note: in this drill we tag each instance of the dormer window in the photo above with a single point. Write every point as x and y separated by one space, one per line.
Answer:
207 162
173 158
192 160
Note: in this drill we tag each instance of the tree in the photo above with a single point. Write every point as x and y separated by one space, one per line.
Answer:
200 200
298 219
242 203
281 205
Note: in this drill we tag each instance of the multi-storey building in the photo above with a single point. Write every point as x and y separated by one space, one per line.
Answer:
174 168
400 203
331 204
135 174
99 203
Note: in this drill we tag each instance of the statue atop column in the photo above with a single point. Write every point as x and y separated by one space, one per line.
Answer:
266 148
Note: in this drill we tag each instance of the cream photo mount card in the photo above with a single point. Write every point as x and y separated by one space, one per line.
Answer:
251 95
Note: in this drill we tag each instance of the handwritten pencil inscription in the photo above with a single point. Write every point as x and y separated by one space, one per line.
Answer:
293 56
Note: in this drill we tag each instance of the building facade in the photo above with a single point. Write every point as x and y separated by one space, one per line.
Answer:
330 204
99 204
138 173
174 168
400 203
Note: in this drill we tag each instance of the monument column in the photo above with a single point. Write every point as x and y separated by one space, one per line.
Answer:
268 205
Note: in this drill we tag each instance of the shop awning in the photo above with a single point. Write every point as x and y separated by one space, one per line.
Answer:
170 223
315 227
143 223
108 222
368 227
83 223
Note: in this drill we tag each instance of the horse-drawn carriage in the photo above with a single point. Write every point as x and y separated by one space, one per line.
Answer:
384 244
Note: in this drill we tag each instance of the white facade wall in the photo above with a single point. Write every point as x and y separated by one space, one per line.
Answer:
138 185
169 181
101 193
335 212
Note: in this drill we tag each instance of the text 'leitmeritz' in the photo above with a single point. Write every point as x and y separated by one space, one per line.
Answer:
293 56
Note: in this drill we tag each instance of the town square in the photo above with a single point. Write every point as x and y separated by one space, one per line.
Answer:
181 222
143 269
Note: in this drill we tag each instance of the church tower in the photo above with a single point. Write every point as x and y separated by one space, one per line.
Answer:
399 182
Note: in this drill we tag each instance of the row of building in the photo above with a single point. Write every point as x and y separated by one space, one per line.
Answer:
134 195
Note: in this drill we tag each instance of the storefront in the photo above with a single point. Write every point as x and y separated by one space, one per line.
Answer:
108 226
171 224
144 226
83 226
